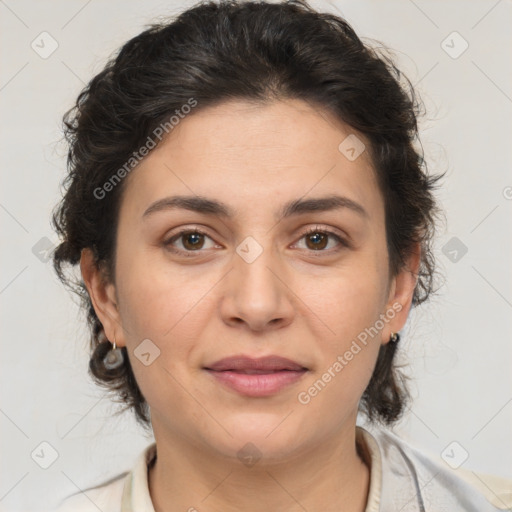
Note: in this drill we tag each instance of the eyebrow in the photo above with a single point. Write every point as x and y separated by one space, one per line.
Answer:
208 206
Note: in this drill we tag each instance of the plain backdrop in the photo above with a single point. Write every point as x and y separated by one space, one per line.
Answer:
458 347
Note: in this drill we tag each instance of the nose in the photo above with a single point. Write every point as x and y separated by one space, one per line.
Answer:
256 294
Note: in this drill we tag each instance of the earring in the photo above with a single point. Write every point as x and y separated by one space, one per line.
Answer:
114 358
395 337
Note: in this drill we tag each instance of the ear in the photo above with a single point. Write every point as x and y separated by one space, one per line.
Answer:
401 293
103 297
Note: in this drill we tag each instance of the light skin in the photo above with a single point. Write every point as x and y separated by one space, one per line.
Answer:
293 300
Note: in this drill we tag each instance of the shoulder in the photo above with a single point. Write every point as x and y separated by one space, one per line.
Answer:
411 480
105 497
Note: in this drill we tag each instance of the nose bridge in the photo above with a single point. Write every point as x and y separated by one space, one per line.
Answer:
255 267
255 292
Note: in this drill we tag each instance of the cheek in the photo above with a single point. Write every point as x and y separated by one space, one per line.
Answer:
156 297
334 393
347 356
167 305
160 306
349 304
346 300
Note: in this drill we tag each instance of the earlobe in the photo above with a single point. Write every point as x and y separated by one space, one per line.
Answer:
401 294
103 296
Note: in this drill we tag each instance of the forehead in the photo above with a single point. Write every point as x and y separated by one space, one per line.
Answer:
256 157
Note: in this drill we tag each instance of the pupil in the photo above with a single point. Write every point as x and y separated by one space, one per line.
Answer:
195 237
315 238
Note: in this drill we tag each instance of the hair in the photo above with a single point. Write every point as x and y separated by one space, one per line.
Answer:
255 51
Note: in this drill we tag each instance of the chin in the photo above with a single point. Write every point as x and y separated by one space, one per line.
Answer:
266 436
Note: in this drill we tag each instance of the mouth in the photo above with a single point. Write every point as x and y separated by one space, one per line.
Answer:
267 364
256 377
255 372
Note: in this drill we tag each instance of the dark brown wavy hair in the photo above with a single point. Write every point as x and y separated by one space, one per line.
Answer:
258 51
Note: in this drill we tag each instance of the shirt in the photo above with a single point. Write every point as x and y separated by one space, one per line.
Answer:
402 478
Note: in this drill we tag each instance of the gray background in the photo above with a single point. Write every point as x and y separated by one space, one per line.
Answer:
458 346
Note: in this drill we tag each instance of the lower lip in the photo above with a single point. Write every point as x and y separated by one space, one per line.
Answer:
262 384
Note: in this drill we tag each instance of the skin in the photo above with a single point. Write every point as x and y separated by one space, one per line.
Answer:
293 301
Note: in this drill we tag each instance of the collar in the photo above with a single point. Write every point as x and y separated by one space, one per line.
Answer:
401 478
136 494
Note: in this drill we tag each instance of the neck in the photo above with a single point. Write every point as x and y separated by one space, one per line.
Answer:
330 476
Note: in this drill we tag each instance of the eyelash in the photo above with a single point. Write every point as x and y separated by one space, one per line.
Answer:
310 231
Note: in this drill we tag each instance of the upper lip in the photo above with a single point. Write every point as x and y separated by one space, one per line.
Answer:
242 362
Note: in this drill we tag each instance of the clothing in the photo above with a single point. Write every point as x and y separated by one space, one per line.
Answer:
402 479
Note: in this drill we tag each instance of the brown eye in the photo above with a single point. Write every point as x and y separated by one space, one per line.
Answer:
317 241
192 240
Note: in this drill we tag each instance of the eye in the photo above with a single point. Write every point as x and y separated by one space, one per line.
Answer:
192 240
317 239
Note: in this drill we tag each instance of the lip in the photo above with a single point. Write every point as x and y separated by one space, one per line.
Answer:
243 362
256 377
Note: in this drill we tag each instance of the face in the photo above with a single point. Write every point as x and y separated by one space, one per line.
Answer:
309 285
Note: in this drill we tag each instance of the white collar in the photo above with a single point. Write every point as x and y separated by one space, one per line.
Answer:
401 478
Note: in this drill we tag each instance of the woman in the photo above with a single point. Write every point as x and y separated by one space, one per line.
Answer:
253 224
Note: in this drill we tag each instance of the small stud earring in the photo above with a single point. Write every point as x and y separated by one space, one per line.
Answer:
395 337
